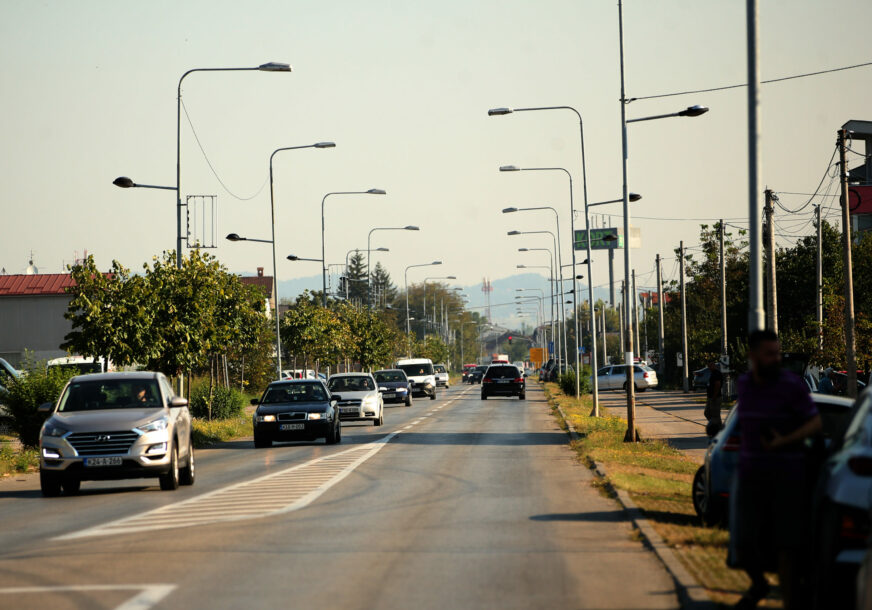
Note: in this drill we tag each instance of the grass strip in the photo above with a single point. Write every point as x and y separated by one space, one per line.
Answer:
205 433
15 459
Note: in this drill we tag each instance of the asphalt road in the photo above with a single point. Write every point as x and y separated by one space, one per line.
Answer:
456 503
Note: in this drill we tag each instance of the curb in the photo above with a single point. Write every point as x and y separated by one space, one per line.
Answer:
690 593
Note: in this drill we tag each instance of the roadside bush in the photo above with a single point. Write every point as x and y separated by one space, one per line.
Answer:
567 382
23 396
225 403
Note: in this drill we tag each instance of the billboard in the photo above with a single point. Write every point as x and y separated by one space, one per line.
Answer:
608 238
537 356
860 199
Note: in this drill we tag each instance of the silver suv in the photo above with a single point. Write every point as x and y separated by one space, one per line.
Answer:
111 426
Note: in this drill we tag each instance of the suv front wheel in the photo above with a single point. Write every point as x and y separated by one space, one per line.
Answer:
170 480
49 484
187 474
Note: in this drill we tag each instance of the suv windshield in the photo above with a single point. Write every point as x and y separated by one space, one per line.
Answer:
114 394
415 370
503 372
294 392
350 384
389 376
439 368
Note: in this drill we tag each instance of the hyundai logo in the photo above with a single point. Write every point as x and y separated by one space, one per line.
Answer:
103 438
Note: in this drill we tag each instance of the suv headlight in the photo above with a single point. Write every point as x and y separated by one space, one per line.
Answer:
155 425
52 430
317 415
370 400
265 418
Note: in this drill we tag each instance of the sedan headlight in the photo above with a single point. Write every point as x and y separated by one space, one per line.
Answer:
265 418
52 430
370 400
317 415
155 426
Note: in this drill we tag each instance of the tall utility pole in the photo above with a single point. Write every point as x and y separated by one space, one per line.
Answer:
685 356
660 333
755 271
723 292
850 341
621 317
635 309
612 277
772 294
605 346
819 286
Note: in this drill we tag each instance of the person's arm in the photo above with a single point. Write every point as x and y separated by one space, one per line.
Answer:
809 428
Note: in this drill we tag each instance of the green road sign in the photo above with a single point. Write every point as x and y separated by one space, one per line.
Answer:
598 241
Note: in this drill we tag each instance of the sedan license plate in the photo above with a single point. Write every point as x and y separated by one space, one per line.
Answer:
349 410
504 381
390 394
102 461
292 426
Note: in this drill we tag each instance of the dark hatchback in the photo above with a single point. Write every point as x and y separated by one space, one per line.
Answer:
503 380
476 374
394 386
296 410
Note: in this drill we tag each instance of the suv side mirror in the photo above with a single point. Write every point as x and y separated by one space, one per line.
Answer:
334 401
178 401
45 408
255 401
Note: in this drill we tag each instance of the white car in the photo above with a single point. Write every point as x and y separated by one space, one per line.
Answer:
421 373
615 377
358 396
441 376
298 374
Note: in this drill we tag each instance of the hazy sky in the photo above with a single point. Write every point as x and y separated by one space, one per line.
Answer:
88 94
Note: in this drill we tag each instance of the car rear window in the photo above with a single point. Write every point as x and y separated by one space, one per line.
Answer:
389 376
503 372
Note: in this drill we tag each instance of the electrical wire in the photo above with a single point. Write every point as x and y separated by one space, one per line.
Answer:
810 199
212 168
765 82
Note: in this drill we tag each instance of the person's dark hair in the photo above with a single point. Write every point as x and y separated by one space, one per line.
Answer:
756 338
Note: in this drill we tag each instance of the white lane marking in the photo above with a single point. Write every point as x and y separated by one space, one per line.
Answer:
148 595
272 494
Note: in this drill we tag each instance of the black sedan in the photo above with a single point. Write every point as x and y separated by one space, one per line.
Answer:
394 386
476 374
503 380
296 410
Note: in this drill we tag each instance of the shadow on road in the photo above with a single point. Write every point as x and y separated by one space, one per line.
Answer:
481 438
612 516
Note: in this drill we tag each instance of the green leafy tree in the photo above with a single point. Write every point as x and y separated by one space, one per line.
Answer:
23 396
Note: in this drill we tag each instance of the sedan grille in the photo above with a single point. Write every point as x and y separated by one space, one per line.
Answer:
102 443
351 402
291 416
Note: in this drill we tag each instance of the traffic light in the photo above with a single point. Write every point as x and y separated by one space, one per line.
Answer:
510 339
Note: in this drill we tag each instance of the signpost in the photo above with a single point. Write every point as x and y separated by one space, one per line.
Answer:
615 239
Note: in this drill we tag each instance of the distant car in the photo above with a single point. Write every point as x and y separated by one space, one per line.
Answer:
467 369
615 377
503 380
394 386
114 426
442 379
701 378
358 396
293 410
78 364
477 373
711 484
299 374
421 373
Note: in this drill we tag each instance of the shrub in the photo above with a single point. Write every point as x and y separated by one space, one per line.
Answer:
225 403
567 382
23 396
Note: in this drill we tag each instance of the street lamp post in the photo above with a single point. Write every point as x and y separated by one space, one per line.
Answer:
691 111
323 253
406 284
550 285
427 279
369 252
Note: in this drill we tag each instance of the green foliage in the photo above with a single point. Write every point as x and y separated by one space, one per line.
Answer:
355 278
383 289
312 333
216 402
431 347
15 460
371 338
205 433
23 396
566 381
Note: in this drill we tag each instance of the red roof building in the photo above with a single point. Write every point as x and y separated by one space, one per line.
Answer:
43 284
265 283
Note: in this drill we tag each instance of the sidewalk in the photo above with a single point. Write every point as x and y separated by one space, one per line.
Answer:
671 416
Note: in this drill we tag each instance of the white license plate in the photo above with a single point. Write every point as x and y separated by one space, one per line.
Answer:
349 410
504 381
102 461
390 395
292 426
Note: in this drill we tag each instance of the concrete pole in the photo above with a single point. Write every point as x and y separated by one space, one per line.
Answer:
772 294
685 356
660 332
850 341
605 345
723 292
755 287
612 277
635 309
819 296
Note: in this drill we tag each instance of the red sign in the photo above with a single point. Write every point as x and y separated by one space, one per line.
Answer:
860 198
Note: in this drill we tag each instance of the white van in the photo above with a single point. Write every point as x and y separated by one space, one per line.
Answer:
421 374
80 364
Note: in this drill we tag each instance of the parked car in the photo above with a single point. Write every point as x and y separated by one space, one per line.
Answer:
615 377
503 380
467 369
701 378
394 386
477 373
840 382
711 483
442 379
299 374
358 397
79 365
842 519
113 426
422 375
296 409
7 374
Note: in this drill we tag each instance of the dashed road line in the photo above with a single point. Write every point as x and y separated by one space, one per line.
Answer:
148 595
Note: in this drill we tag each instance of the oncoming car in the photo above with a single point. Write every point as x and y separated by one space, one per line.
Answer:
394 386
298 409
115 426
421 373
358 397
442 377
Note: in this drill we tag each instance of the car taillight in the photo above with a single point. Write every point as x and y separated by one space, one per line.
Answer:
519 380
861 466
854 526
645 375
487 380
732 443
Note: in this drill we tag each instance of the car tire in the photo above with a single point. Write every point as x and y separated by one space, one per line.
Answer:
433 395
484 396
522 396
260 442
71 485
170 480
709 510
408 401
378 421
188 474
333 437
49 484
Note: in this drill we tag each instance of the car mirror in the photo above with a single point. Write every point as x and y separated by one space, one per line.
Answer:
178 401
335 397
255 401
45 408
334 401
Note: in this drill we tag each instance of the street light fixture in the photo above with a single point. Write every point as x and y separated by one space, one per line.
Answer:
294 257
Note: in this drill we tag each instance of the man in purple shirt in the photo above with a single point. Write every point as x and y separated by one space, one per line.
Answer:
769 500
